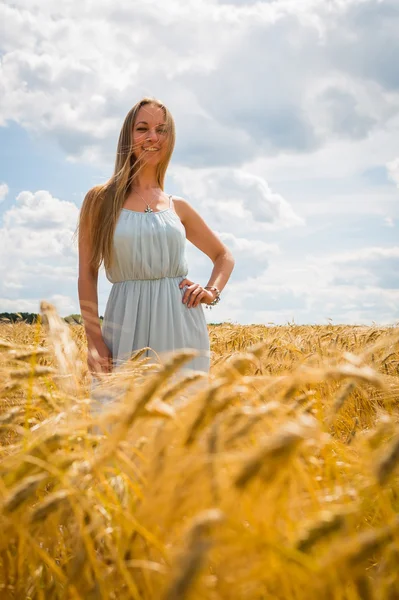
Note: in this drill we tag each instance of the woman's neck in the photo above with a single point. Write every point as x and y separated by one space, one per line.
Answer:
145 181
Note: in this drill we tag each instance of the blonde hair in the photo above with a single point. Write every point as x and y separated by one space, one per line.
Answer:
103 203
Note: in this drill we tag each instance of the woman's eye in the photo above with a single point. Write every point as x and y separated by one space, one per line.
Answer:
144 129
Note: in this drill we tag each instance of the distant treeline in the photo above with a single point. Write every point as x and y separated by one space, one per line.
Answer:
6 317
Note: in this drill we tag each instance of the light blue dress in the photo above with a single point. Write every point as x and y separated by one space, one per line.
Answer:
145 305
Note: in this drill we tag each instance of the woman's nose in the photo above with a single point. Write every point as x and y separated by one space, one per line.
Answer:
152 134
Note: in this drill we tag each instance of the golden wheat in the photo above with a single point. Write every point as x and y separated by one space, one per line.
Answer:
273 478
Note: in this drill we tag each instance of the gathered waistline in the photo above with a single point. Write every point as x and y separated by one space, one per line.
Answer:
152 279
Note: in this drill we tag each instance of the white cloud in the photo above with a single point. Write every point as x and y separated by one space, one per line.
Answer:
366 268
393 170
306 289
261 77
236 201
63 304
40 211
37 255
3 191
389 222
254 249
287 123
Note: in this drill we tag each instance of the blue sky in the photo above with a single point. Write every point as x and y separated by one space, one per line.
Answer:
287 119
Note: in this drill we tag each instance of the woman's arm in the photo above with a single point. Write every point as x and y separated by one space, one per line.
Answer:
98 353
199 234
88 300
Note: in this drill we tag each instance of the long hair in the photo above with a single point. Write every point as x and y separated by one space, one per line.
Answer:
103 203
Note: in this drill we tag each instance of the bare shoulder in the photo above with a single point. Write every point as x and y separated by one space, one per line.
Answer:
180 202
183 208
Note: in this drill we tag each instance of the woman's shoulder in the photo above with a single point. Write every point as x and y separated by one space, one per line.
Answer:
94 191
181 202
185 210
177 198
181 206
93 196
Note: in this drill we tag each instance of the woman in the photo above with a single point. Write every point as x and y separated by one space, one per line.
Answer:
138 231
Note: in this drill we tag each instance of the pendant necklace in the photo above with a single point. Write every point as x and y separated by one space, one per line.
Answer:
148 209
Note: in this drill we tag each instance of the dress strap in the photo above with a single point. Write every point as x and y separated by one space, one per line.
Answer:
170 200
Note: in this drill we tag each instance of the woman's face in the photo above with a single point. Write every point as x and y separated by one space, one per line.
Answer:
149 134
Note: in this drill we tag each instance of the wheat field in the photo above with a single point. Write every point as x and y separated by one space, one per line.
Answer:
274 478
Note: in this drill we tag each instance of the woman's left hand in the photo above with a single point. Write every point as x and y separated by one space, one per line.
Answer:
195 294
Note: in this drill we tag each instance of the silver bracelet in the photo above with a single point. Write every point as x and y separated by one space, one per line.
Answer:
216 300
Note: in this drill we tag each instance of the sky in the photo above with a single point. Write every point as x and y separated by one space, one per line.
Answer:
287 125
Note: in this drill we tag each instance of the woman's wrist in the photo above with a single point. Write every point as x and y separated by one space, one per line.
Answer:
94 337
216 295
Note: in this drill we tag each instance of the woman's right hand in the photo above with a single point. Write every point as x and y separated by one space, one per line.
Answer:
99 357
